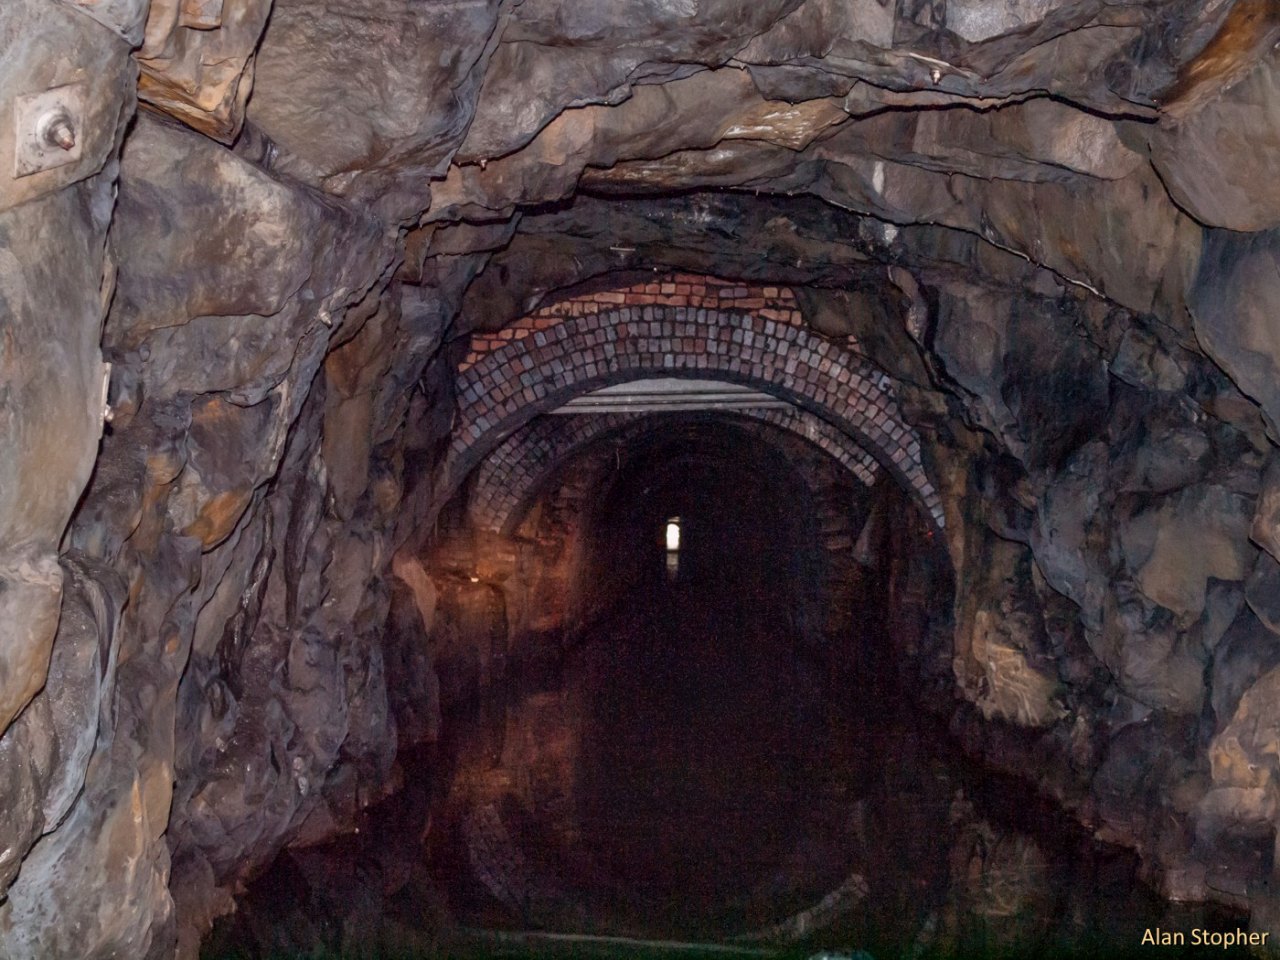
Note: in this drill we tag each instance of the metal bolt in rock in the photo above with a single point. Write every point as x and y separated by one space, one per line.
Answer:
56 130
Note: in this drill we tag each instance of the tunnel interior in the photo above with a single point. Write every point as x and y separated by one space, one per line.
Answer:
673 734
744 530
686 675
733 746
519 477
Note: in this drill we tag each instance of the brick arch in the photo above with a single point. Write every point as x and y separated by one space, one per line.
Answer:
538 372
520 466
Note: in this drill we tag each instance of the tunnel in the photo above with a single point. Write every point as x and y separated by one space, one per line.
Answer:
691 670
517 478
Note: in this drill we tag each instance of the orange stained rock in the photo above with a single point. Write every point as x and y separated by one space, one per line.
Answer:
196 61
218 517
1247 34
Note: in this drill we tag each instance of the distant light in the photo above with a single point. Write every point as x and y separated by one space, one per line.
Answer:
474 579
673 547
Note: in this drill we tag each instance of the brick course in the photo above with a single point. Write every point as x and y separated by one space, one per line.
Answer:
519 467
558 355
675 290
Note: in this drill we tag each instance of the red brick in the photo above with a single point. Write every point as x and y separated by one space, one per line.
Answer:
816 364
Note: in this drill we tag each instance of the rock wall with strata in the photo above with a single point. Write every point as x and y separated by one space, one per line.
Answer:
1042 220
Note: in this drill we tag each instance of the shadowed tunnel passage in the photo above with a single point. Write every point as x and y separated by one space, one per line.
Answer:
747 535
667 756
720 739
701 727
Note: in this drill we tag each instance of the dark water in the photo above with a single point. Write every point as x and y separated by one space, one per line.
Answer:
685 775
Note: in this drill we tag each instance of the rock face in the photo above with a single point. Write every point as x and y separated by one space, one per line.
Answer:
57 278
56 275
230 326
196 61
1228 89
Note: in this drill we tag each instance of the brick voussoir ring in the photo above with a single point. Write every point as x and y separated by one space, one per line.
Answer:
522 464
523 378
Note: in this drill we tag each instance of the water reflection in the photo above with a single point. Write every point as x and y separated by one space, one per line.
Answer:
692 774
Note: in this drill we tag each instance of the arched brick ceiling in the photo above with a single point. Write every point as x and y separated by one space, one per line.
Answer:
538 371
522 463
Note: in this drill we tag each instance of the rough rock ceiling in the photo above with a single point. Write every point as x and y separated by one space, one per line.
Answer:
373 101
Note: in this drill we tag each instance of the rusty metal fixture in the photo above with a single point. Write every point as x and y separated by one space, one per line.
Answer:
49 129
56 130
